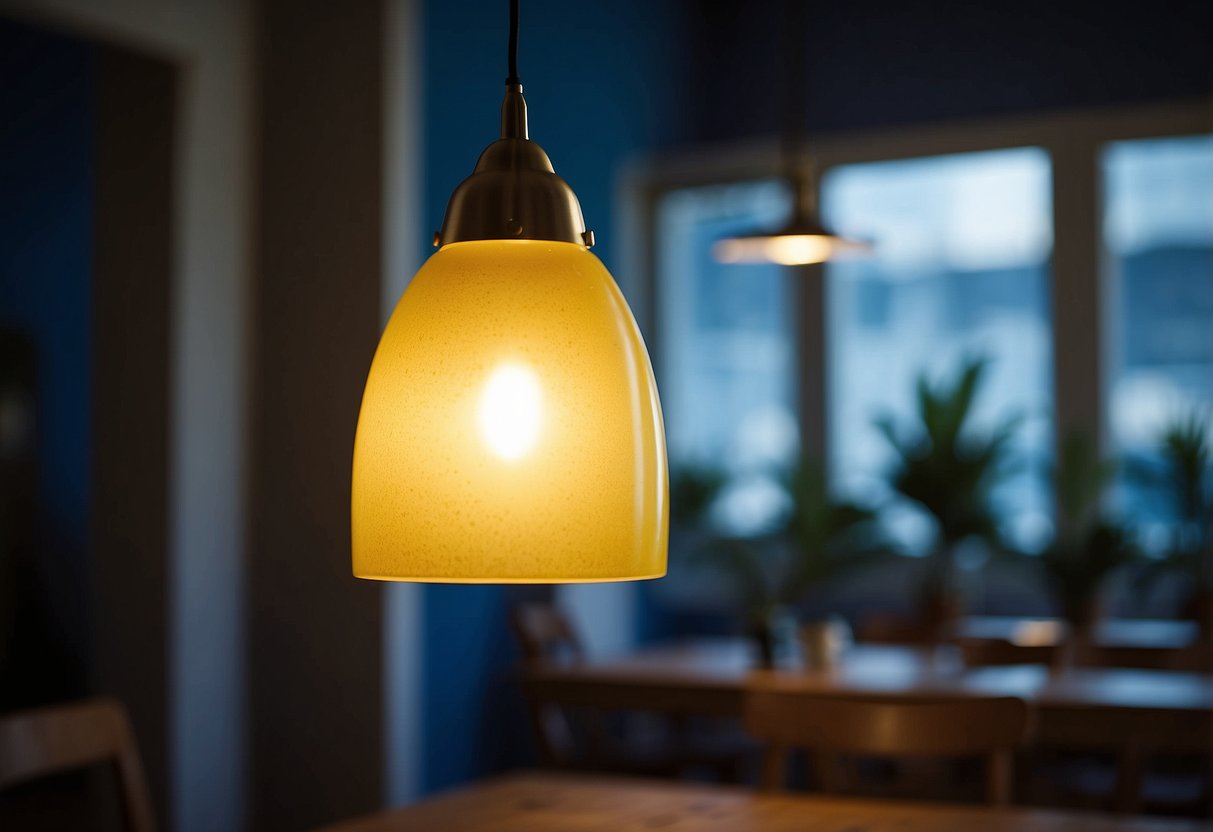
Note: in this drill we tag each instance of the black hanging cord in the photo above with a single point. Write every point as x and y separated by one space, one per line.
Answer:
513 80
795 85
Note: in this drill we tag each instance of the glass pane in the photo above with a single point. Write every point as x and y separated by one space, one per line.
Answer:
1158 235
727 352
959 269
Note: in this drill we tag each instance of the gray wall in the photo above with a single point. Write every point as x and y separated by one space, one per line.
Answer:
133 256
316 670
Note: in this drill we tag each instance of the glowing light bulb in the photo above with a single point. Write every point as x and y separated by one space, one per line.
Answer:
511 411
784 249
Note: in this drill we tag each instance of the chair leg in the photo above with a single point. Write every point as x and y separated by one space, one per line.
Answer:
774 769
1000 775
1128 779
832 774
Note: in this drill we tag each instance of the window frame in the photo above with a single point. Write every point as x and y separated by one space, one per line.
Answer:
1080 270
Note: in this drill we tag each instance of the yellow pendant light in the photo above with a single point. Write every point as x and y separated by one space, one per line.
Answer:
510 429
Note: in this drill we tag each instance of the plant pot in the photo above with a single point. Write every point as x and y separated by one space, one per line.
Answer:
761 634
942 610
1082 618
1082 615
775 635
823 642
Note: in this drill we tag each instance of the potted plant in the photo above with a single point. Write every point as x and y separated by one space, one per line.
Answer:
1186 481
949 468
819 538
1088 546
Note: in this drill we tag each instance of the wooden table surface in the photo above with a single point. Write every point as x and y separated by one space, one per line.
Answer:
711 676
1113 633
566 803
727 667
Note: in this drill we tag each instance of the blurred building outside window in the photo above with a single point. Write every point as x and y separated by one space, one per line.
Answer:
961 269
1158 275
728 350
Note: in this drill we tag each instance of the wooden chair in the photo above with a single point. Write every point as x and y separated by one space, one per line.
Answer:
545 633
895 629
1136 739
571 738
587 739
987 652
829 725
47 741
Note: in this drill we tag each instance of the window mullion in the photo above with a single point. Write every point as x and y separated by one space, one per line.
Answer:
1076 291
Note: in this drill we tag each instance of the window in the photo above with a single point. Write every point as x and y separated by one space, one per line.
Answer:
960 269
727 348
1158 241
963 220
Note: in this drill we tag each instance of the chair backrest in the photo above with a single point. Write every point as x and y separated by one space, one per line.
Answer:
986 652
545 633
895 629
48 741
880 725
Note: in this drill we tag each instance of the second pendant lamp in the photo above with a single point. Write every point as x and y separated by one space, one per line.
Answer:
803 239
510 429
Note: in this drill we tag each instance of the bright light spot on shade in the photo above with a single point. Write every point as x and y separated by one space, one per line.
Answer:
783 249
511 411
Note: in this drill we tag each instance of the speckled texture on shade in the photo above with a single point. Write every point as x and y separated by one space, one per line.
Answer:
588 501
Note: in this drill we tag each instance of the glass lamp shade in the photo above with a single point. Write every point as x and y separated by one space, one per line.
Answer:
784 250
799 244
510 429
802 241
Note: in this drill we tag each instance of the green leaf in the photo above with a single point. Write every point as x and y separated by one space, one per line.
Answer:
948 468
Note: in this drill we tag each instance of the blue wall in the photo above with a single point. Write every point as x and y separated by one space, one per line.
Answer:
603 82
46 96
890 62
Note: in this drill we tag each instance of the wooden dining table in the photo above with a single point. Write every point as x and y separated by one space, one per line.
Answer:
1120 634
1161 644
530 802
1092 707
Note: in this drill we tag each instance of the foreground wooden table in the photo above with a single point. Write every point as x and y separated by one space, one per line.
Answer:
565 803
